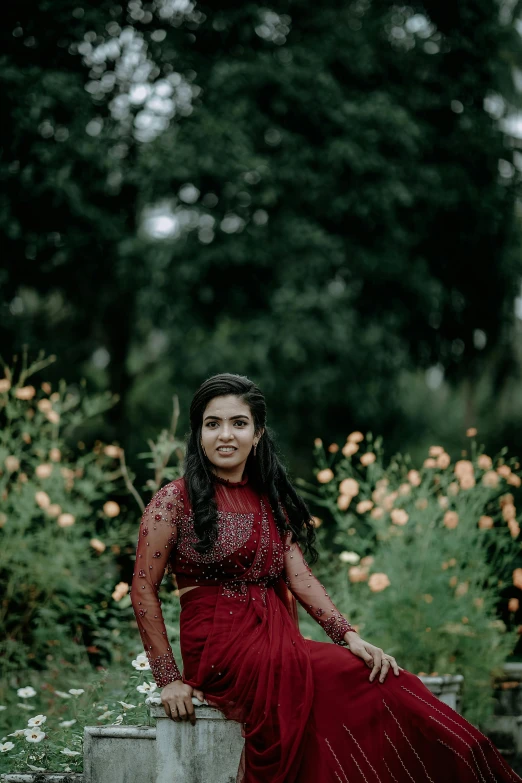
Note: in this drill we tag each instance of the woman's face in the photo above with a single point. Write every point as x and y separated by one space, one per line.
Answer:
227 434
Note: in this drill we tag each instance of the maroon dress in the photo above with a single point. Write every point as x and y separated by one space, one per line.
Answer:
309 713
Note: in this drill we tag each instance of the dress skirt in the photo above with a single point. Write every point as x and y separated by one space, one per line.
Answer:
308 711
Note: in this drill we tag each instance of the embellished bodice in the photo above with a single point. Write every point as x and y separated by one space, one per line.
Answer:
248 549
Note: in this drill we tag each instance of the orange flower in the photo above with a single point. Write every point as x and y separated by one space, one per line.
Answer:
452 561
121 589
484 462
513 604
462 589
404 489
325 475
363 506
367 560
485 523
5 385
451 520
517 578
467 482
349 449
333 448
42 499
504 471
428 598
355 437
509 511
318 442
357 574
46 387
343 501
66 520
443 501
349 487
26 438
435 451
54 510
378 582
443 461
3 519
368 458
399 516
453 581
317 521
44 470
389 500
98 545
377 513
55 455
44 405
414 478
25 393
430 463
490 479
514 528
112 451
471 432
514 480
53 417
463 467
453 488
478 602
421 504
111 508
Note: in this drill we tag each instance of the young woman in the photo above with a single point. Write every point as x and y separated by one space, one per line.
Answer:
233 530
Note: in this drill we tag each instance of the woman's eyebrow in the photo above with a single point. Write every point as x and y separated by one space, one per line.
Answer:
239 416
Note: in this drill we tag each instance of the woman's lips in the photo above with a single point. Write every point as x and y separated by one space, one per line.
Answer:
226 453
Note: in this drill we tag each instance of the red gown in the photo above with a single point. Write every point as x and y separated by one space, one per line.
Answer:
308 711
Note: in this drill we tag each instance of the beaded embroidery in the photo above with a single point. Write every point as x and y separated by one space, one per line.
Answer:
164 668
234 530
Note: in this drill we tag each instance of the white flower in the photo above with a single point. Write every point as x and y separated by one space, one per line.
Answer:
66 723
141 662
349 557
34 735
26 693
154 698
37 720
63 695
76 691
147 687
5 746
67 752
105 715
17 733
2 707
127 706
36 769
29 707
118 720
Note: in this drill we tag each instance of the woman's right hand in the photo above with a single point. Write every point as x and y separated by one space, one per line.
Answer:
176 698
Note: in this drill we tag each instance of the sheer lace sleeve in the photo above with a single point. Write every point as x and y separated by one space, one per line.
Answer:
157 537
311 594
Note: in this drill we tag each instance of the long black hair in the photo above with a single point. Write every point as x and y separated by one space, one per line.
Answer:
265 470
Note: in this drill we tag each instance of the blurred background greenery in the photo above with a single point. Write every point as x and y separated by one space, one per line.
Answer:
325 197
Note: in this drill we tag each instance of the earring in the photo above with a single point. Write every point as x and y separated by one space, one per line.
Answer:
204 452
255 447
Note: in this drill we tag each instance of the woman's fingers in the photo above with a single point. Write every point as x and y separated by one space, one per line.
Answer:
384 671
377 663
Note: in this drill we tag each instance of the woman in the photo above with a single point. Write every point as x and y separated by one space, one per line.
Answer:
232 531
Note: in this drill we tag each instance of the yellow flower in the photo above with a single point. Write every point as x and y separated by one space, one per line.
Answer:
435 451
368 458
343 501
44 470
399 516
414 478
5 385
325 475
378 582
484 462
485 523
363 506
490 479
25 393
42 499
355 437
349 449
513 604
12 463
98 545
451 520
349 487
66 520
471 432
111 508
517 578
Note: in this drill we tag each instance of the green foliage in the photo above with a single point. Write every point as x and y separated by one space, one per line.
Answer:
432 557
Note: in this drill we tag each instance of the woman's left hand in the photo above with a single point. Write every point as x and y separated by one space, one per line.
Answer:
374 657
